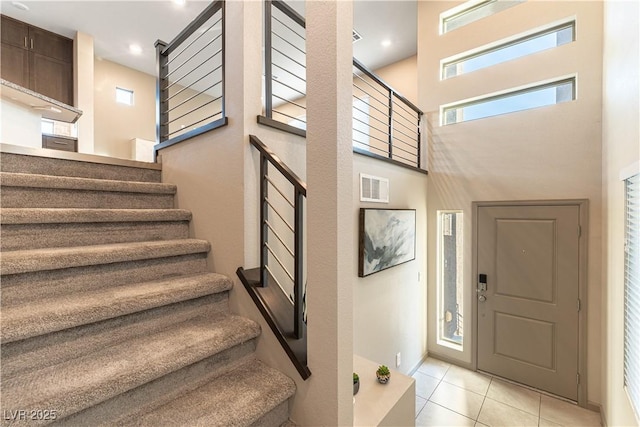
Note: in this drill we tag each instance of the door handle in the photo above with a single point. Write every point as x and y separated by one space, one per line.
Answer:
482 298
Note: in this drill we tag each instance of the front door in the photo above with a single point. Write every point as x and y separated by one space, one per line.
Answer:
528 261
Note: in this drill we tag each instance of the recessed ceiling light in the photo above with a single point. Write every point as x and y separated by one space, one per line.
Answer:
179 2
135 49
19 5
386 43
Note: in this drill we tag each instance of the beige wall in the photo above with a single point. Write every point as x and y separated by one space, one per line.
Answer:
116 124
621 148
390 306
546 153
83 70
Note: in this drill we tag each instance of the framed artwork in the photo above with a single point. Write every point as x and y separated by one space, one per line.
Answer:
387 238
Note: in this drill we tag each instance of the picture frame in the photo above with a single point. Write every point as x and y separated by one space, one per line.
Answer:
387 238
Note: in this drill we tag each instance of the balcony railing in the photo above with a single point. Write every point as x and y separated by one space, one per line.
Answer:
190 80
385 124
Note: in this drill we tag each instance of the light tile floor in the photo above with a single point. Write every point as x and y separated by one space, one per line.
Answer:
447 395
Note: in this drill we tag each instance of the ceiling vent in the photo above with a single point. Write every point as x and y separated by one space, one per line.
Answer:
356 36
374 189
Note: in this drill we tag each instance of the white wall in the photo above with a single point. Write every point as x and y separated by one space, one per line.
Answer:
621 147
546 153
20 125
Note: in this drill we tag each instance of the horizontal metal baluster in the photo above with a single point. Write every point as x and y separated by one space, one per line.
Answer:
275 233
219 113
289 43
194 55
288 27
278 190
287 115
279 261
290 102
280 216
289 58
197 81
195 40
287 71
194 109
204 92
194 69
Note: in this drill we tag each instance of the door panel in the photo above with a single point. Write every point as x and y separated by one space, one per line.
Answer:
528 316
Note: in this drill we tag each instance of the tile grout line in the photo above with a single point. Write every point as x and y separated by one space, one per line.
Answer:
484 398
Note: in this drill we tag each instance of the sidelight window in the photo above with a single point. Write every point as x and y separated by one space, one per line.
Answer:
632 292
449 282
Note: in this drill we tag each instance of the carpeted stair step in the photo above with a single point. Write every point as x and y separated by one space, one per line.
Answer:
35 353
251 394
16 262
40 285
21 190
80 383
31 228
56 314
39 161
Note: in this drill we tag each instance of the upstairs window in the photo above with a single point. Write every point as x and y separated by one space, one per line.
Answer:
124 96
534 96
503 51
472 11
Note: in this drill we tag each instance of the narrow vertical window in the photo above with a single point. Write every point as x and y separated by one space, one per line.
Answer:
632 292
449 284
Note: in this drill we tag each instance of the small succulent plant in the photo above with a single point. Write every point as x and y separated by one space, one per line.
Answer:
383 374
356 378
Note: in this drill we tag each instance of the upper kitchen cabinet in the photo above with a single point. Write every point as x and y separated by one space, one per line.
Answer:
37 59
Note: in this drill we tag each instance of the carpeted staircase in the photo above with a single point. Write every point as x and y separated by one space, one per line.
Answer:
109 314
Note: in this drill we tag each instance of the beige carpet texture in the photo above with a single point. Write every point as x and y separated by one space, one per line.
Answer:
109 313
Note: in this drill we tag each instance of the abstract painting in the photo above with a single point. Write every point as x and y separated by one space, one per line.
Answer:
387 238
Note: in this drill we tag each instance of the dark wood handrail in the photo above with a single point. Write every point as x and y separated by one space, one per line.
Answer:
193 26
279 164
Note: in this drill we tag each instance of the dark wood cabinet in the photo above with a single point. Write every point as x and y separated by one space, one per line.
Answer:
37 59
59 143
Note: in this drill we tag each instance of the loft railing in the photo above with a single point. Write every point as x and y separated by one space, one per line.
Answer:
190 79
285 68
278 286
385 124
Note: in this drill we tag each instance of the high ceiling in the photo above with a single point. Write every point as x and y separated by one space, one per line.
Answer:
115 25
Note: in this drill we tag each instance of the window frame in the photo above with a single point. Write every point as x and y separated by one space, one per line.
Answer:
470 7
440 315
128 91
505 43
506 93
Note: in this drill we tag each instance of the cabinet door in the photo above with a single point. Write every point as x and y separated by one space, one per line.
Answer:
14 64
14 32
51 77
49 44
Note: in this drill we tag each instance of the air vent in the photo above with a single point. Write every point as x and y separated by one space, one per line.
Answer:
356 36
374 189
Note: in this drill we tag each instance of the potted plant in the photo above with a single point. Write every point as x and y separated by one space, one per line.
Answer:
356 383
383 374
